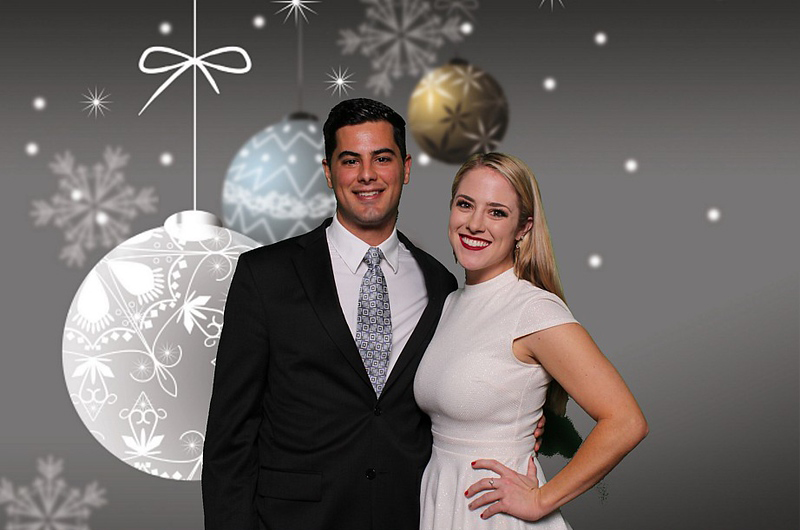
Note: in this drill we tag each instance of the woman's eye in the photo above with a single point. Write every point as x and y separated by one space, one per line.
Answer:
498 213
463 204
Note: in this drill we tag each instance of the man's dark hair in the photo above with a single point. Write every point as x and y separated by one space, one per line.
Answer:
358 111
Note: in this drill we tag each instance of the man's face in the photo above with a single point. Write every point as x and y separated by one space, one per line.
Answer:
367 176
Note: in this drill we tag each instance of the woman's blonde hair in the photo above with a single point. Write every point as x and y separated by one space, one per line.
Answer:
533 258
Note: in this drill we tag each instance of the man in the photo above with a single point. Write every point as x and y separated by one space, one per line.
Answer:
313 423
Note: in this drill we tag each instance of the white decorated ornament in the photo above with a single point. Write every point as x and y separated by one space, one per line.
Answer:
275 187
141 337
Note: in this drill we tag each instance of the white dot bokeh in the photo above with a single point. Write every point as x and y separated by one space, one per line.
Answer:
165 28
166 159
631 165
600 38
259 21
424 159
466 28
39 103
595 261
549 84
32 149
713 215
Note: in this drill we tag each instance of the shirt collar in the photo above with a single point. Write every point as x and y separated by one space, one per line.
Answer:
352 249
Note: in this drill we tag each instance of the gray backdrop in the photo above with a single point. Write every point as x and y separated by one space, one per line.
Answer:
700 318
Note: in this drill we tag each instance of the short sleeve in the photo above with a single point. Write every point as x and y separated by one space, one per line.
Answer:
541 312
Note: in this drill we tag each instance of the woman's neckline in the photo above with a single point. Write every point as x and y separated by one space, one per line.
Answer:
492 284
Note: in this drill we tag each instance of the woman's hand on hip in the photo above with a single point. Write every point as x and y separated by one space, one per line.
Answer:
510 492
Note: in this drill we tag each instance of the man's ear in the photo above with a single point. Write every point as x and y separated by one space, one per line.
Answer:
326 168
406 169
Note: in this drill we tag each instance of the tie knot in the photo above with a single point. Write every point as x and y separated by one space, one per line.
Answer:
373 257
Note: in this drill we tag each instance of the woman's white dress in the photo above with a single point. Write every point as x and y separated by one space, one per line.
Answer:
483 401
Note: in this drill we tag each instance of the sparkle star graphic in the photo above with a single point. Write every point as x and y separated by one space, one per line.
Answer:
339 81
296 7
96 102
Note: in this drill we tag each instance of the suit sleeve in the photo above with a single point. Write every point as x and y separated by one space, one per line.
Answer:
230 454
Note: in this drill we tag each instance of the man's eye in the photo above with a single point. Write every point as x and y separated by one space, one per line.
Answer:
349 162
384 159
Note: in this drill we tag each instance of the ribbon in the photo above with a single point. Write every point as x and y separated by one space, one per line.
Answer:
189 62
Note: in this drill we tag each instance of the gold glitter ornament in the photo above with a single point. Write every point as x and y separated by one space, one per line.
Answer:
457 110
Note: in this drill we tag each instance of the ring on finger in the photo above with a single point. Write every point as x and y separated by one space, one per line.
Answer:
491 482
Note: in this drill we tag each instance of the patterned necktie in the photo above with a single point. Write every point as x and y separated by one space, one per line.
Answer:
374 321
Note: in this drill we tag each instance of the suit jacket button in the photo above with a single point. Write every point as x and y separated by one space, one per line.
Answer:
377 410
371 474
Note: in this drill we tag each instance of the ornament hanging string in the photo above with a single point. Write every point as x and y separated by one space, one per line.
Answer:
298 9
299 67
194 62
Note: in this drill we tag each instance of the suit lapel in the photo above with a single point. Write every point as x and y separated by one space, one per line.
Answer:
316 275
430 316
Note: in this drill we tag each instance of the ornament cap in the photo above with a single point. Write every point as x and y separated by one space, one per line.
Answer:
301 115
459 61
192 225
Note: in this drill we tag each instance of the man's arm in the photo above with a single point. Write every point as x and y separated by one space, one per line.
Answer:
230 455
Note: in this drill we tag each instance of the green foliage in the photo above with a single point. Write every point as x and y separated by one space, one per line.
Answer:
560 436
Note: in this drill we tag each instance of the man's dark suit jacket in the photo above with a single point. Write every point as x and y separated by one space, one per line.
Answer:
296 437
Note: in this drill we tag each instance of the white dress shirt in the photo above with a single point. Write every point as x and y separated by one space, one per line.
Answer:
404 280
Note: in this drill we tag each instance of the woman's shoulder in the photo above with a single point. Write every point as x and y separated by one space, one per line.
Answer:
525 291
539 309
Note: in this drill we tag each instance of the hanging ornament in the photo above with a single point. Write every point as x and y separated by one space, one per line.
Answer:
275 187
457 110
141 338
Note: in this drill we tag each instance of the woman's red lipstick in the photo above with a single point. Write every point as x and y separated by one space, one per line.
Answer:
471 246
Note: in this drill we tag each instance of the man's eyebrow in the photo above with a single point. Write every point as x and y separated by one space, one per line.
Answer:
380 151
383 150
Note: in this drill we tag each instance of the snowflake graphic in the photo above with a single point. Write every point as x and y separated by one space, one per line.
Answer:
465 6
49 504
400 37
92 207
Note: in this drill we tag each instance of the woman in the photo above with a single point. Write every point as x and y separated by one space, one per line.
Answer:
501 342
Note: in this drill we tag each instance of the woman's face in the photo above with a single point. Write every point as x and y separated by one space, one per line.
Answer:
484 224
